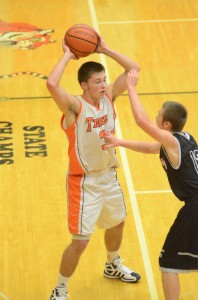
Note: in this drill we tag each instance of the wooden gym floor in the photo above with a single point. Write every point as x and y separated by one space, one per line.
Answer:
162 37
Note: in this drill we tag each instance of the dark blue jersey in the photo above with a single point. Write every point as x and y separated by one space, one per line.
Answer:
183 179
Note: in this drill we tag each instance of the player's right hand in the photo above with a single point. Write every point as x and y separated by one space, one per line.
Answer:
67 50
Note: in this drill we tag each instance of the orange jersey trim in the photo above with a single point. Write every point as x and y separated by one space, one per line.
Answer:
71 136
110 100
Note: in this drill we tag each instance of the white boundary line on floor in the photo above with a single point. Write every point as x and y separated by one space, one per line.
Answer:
3 296
133 200
148 21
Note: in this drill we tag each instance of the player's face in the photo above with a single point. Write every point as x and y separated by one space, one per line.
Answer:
96 85
159 119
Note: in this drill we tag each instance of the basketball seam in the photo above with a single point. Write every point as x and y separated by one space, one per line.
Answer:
79 39
82 27
79 50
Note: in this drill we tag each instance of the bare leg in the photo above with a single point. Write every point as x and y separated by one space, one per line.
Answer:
71 257
113 237
171 287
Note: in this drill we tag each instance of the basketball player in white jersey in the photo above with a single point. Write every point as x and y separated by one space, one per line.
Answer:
93 193
178 153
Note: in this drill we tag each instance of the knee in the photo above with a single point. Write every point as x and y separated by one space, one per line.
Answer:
79 245
119 227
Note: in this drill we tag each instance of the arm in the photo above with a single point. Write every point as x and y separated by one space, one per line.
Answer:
119 85
161 134
67 103
140 115
143 147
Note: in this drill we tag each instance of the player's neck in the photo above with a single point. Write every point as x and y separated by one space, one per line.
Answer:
94 101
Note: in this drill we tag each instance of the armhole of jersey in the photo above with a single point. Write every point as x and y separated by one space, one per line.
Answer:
63 118
110 100
61 122
179 162
179 148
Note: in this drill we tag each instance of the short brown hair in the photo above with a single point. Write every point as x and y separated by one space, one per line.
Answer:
175 113
87 69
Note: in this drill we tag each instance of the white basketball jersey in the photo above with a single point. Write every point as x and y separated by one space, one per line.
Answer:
86 138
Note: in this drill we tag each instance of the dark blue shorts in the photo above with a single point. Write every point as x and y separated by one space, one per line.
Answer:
179 253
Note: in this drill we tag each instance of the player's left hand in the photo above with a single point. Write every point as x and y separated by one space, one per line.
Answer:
111 140
132 78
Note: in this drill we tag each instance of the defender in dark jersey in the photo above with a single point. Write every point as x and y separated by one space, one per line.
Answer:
178 152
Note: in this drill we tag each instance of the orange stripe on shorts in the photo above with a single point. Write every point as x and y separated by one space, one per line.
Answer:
75 198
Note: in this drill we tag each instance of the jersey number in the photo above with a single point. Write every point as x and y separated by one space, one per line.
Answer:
194 156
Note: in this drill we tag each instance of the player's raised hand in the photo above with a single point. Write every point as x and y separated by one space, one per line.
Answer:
67 50
101 45
132 78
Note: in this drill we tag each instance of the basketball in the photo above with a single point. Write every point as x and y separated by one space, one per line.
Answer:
81 39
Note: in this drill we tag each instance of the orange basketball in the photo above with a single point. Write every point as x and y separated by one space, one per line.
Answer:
81 39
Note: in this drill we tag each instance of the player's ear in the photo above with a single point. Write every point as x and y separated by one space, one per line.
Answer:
83 85
167 125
